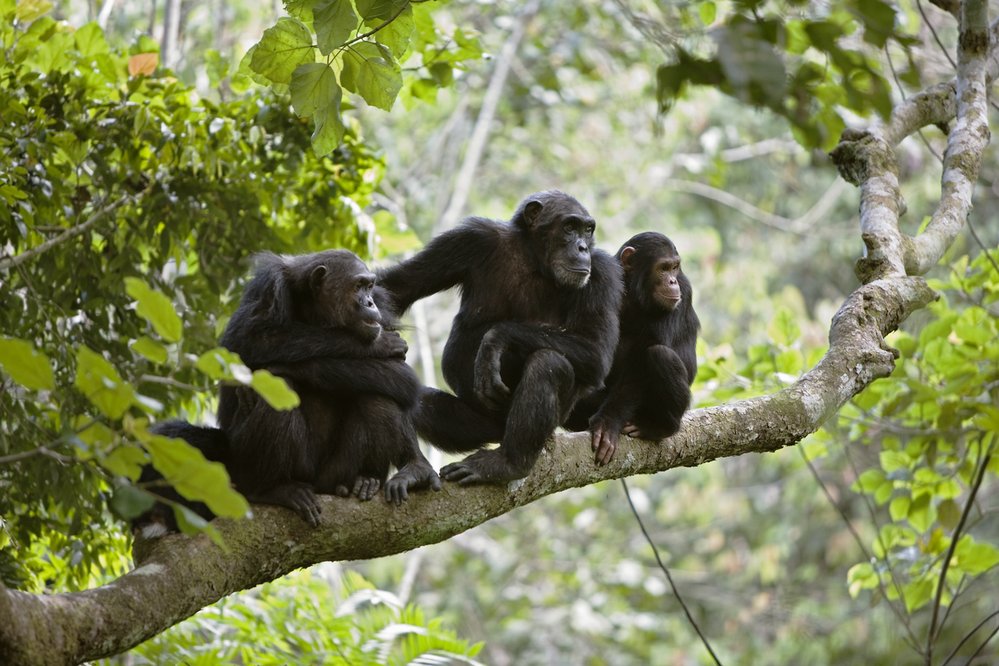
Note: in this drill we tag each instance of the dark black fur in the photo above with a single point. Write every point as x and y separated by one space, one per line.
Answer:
536 330
648 388
314 320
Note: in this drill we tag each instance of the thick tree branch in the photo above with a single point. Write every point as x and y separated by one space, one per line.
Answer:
179 575
866 158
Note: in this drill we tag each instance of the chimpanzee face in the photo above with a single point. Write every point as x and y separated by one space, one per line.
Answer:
652 270
343 288
562 234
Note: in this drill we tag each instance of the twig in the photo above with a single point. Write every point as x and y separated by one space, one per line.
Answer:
676 592
16 260
911 638
934 631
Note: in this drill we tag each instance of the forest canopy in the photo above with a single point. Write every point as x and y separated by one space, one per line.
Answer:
823 168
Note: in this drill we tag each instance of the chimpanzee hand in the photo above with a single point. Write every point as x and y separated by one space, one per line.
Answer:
389 345
415 475
489 386
603 438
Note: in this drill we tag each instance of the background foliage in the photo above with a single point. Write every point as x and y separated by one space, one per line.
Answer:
136 183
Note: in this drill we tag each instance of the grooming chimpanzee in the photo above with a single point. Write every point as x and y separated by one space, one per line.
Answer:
536 330
313 320
648 388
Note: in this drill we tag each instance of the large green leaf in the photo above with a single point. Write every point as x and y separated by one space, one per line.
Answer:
156 308
314 88
28 367
329 126
274 390
334 22
380 9
282 49
370 70
101 384
186 469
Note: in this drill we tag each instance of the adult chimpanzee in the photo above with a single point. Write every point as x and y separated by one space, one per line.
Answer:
648 388
536 329
313 320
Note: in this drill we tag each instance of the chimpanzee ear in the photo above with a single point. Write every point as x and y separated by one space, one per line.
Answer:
316 277
529 213
626 253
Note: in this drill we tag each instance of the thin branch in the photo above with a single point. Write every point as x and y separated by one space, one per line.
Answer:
40 451
483 124
936 37
69 234
934 630
902 617
665 570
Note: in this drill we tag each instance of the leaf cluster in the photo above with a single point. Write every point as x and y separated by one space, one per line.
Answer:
804 61
328 47
129 207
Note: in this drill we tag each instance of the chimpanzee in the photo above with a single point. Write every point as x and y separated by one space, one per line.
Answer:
536 329
313 320
648 388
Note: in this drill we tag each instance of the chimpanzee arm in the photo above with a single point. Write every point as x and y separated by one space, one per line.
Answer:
442 264
390 378
264 344
587 339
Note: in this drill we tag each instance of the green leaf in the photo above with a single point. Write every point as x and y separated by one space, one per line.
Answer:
130 502
29 368
126 460
334 22
783 328
975 327
789 362
379 9
314 87
949 513
708 11
156 308
274 390
869 481
186 469
370 70
90 40
398 34
899 508
922 513
101 384
329 126
220 363
150 349
282 49
975 558
917 593
191 523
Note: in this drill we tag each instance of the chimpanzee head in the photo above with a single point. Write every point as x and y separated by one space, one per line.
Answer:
334 288
652 271
560 233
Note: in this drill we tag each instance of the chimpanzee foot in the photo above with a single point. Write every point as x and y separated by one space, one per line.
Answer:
298 497
413 476
487 466
366 487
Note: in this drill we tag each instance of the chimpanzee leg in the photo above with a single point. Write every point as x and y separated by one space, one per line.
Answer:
455 425
666 395
540 401
273 455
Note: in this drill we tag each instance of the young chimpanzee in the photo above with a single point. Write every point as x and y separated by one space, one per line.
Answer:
536 329
648 388
313 320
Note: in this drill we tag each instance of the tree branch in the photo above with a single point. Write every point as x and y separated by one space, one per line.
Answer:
178 575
